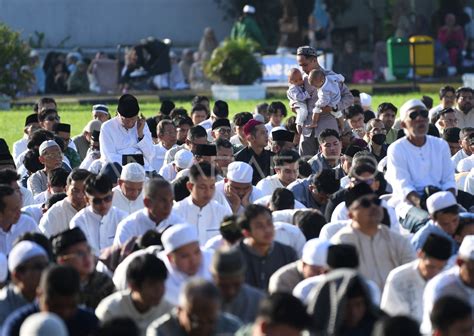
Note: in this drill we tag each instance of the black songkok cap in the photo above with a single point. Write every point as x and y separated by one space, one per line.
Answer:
342 256
283 135
63 128
220 123
205 150
128 106
31 119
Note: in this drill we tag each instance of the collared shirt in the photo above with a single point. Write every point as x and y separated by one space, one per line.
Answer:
38 182
286 278
260 268
57 218
268 185
116 140
392 136
407 166
24 224
220 197
159 157
10 300
378 255
300 188
123 203
461 154
261 164
318 163
120 304
465 119
419 239
206 219
139 222
446 283
99 230
403 291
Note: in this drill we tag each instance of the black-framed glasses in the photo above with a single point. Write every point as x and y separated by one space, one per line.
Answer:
367 202
99 200
423 113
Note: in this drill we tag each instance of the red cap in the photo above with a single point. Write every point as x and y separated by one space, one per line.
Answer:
250 125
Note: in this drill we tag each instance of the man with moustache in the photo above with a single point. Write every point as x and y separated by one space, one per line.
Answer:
464 112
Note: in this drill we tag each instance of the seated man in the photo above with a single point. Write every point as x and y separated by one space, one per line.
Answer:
410 157
263 255
238 298
72 249
198 313
329 156
126 134
403 291
83 141
143 302
50 156
464 142
281 140
63 131
167 137
10 177
99 220
156 215
286 172
382 249
197 135
57 181
25 263
199 208
58 293
312 263
128 195
236 189
57 218
451 316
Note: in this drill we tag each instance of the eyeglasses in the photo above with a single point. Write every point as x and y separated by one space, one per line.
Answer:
52 118
423 113
367 202
99 200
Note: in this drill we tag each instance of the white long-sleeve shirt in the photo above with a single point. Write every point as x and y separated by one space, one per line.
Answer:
329 93
99 231
27 196
116 140
137 223
57 218
123 203
219 196
20 146
206 219
268 185
159 157
403 291
24 224
411 168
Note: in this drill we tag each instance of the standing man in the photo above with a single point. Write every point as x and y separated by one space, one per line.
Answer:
307 59
127 133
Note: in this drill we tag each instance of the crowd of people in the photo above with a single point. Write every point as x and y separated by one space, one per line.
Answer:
189 223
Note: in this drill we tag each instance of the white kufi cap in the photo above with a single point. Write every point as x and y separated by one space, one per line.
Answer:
22 252
240 172
409 105
43 324
439 201
47 144
133 172
178 235
315 252
183 159
249 9
466 250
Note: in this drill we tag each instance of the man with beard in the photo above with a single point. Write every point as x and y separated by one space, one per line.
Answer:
464 113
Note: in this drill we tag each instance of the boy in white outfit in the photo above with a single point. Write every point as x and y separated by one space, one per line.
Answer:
329 94
296 92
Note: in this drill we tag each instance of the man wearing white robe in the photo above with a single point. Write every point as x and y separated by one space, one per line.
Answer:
403 291
127 133
157 214
286 172
167 137
99 219
57 218
128 194
199 208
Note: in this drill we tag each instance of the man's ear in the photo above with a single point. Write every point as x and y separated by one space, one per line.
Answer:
147 202
403 124
189 186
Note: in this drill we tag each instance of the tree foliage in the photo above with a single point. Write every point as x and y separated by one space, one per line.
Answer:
14 54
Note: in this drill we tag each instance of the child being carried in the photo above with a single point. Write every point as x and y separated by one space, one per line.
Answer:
297 93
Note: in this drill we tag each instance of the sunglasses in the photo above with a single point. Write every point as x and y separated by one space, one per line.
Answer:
99 200
423 113
367 202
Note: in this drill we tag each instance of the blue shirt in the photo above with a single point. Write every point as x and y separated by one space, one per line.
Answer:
302 194
421 235
84 322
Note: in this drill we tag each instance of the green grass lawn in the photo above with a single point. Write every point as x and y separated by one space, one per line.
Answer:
12 122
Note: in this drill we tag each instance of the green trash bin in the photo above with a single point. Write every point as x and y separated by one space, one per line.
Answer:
398 56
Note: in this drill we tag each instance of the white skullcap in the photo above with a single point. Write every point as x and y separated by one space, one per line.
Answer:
47 144
465 165
93 125
365 99
24 251
249 9
101 108
183 159
466 250
315 252
439 201
133 172
259 117
240 172
408 106
43 324
3 268
178 235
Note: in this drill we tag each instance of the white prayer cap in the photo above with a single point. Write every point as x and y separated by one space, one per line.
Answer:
183 159
47 144
440 200
133 172
465 165
240 172
365 99
43 324
259 117
466 250
3 268
101 108
178 235
24 251
315 252
93 125
249 9
408 106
